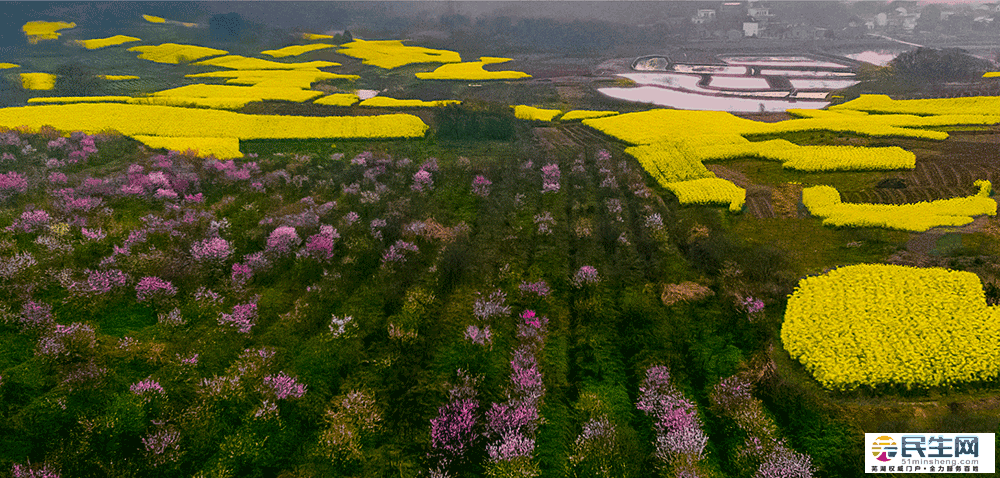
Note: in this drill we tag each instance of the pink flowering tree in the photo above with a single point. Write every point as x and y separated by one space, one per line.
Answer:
283 386
550 178
12 183
587 275
422 181
213 250
243 318
282 240
453 432
320 246
154 288
680 440
481 186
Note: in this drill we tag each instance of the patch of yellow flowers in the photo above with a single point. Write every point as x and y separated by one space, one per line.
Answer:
238 62
59 228
975 105
874 324
585 114
38 81
298 78
175 53
384 102
709 191
118 77
534 114
390 54
472 70
98 43
37 31
152 19
251 93
79 99
825 202
807 158
142 120
4 66
295 50
221 148
338 99
667 164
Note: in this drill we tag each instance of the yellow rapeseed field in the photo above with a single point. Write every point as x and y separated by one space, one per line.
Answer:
38 81
152 19
237 62
219 103
79 99
295 50
4 66
585 114
384 102
175 53
390 54
472 70
118 77
299 78
534 114
221 148
825 202
667 164
37 31
97 43
143 120
875 324
809 158
231 91
975 105
316 36
709 191
337 99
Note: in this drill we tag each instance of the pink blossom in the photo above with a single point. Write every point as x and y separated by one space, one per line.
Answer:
32 220
476 335
241 273
550 178
495 305
28 471
214 249
243 317
57 177
11 183
320 245
150 287
541 288
146 388
452 430
530 318
422 179
586 275
285 386
93 234
162 193
282 240
481 186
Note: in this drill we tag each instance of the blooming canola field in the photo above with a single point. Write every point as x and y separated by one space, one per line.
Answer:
877 324
824 202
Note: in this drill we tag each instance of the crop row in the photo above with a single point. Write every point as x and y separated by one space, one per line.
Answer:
825 202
